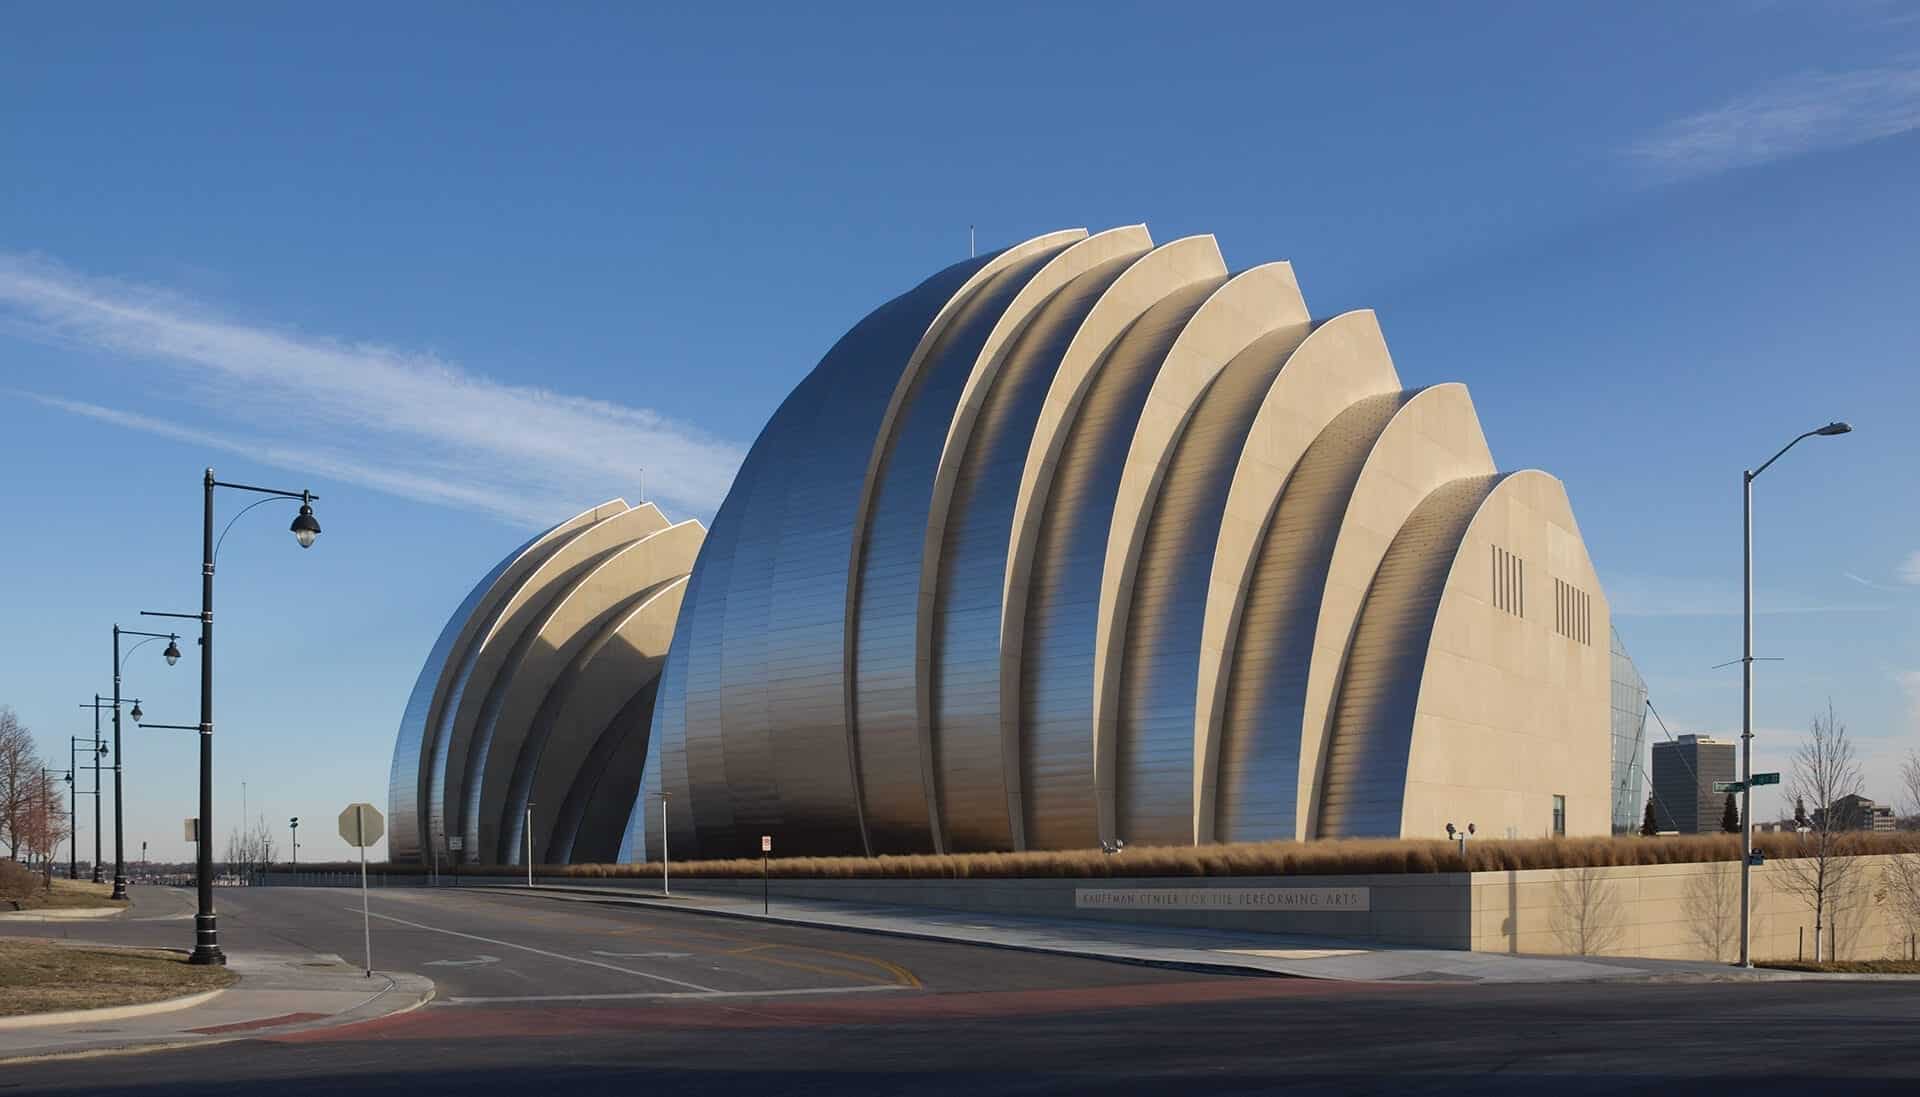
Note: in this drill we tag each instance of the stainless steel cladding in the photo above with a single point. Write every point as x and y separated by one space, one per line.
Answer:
1082 542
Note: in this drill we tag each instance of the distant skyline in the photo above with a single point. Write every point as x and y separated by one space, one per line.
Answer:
470 272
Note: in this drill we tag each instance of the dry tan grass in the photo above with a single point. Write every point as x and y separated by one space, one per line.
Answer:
42 976
21 889
1325 858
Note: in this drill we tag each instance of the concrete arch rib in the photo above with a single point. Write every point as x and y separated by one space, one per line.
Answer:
413 747
770 607
474 662
594 742
963 560
506 638
1144 763
1363 790
553 740
896 754
502 767
1059 530
1433 439
1343 361
1510 712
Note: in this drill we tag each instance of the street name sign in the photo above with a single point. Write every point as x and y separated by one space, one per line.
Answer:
1765 779
1730 786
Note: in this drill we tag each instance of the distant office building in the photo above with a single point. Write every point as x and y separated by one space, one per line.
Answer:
1683 775
1856 813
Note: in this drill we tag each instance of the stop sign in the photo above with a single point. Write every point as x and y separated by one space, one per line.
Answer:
361 825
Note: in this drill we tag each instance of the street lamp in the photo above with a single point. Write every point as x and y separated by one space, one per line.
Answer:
293 824
1746 690
305 528
172 656
96 748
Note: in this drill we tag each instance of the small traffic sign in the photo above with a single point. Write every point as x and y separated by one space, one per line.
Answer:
1765 779
193 830
456 843
1729 786
766 843
361 825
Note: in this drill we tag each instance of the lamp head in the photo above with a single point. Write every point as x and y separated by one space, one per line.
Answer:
136 713
1450 830
1835 428
172 654
305 526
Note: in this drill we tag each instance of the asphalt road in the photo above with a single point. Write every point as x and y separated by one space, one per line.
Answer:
540 997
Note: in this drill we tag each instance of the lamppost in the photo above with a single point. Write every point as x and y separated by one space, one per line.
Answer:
172 656
96 748
293 825
1746 690
529 843
206 930
666 885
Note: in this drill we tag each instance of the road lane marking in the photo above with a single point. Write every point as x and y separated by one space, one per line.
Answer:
665 995
901 975
550 955
477 961
644 955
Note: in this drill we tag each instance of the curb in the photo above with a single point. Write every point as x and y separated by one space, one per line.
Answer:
63 914
108 1013
421 987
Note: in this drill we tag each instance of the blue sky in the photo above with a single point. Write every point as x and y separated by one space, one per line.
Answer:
464 269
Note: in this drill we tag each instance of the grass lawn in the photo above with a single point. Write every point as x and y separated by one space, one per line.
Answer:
66 895
42 976
1849 967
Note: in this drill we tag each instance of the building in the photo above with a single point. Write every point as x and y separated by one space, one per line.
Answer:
1629 709
1856 812
1684 772
1086 540
538 693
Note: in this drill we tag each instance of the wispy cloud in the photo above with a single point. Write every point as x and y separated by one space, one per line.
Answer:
407 423
1804 112
1909 570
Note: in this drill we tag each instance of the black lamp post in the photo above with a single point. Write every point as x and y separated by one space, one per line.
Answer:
96 748
172 656
293 825
305 528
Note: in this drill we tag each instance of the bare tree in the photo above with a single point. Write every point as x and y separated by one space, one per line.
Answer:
1901 876
1585 917
19 781
1824 772
1712 909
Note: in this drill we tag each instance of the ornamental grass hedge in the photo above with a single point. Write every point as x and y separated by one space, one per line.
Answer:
1338 857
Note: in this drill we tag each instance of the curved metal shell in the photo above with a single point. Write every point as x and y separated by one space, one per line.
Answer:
1194 422
553 633
963 560
546 678
467 684
1363 791
1060 525
1243 789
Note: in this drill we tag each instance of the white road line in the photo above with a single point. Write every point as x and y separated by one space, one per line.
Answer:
667 995
550 955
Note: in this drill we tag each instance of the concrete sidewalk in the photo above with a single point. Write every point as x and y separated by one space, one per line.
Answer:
277 993
1163 946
